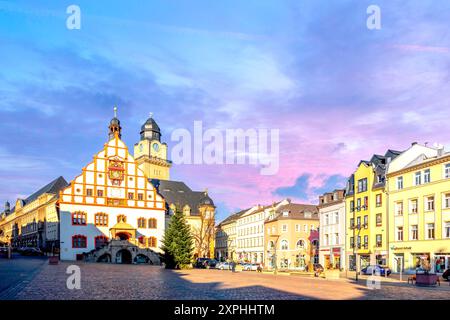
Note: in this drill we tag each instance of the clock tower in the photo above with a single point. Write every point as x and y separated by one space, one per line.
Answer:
150 153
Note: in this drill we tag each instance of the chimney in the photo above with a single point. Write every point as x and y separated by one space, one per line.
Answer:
440 150
7 207
414 143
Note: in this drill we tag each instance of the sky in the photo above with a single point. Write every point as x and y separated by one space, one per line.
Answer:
337 91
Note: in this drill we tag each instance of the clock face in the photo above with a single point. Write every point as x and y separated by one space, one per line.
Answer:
156 147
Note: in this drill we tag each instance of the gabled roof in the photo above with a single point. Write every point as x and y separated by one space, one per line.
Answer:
233 217
179 194
296 211
53 187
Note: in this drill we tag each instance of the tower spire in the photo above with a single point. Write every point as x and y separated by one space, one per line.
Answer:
114 126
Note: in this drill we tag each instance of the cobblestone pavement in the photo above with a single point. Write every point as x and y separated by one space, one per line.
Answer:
109 281
16 273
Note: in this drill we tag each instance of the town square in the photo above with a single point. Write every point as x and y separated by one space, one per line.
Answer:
248 151
141 282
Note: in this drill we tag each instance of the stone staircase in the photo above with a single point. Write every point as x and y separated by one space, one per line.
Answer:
110 250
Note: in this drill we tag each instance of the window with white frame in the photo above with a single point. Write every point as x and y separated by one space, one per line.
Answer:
418 178
399 233
447 171
413 206
336 238
336 217
400 183
327 219
399 208
429 203
284 245
284 228
300 244
430 231
447 201
305 228
414 235
297 228
447 229
327 239
427 176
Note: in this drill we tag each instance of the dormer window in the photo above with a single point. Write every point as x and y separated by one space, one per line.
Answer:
285 213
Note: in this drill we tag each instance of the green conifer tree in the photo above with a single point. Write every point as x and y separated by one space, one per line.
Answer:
177 243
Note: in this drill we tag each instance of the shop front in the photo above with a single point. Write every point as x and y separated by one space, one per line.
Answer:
441 262
420 261
364 261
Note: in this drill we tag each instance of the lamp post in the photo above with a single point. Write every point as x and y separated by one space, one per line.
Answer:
274 256
356 227
9 247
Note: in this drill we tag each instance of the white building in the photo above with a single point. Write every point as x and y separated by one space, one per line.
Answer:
250 232
332 230
111 208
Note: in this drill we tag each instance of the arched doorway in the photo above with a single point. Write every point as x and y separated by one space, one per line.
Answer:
140 258
123 256
104 258
123 235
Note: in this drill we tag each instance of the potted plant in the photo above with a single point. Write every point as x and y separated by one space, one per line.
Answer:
424 277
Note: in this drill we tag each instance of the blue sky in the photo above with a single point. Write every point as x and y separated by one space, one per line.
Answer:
337 91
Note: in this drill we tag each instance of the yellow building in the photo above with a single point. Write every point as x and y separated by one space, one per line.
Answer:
419 210
366 216
33 222
150 153
152 157
291 237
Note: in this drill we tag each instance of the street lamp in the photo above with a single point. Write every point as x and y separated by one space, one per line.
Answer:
274 256
356 227
9 247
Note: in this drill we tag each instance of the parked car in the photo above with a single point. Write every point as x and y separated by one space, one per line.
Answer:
375 270
446 274
225 266
205 263
31 252
250 267
210 263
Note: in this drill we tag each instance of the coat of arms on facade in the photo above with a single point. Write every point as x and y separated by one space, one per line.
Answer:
116 171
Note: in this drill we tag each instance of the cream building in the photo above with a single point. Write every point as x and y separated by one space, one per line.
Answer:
33 222
226 237
291 239
250 232
332 230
